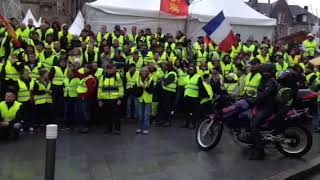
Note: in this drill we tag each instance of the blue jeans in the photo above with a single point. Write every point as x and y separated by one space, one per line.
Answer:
85 109
132 101
144 116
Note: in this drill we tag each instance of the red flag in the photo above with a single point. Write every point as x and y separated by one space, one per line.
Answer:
10 30
174 7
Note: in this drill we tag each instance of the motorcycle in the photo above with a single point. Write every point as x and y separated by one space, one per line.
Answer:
287 135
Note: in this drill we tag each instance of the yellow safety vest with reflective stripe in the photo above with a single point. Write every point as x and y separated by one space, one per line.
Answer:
251 84
110 88
120 39
132 38
59 76
303 66
308 77
34 73
99 73
131 80
11 71
202 72
280 68
163 57
192 88
201 57
44 98
9 114
311 47
247 49
226 69
231 88
87 39
235 51
138 63
172 87
182 77
209 90
70 87
2 48
48 62
145 97
263 59
82 87
86 56
100 37
24 91
69 36
48 31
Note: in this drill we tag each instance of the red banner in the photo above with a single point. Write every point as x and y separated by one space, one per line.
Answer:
174 7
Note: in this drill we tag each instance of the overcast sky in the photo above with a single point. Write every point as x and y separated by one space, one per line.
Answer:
314 3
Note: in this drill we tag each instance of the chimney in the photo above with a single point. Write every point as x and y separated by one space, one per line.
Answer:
306 8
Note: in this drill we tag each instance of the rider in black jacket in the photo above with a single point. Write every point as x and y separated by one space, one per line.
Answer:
265 101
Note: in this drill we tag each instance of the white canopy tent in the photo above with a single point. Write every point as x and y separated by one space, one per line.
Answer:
126 13
243 18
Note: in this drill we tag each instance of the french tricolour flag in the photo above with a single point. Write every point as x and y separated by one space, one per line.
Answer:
220 31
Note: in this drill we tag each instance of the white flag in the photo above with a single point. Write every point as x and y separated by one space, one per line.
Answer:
28 16
77 25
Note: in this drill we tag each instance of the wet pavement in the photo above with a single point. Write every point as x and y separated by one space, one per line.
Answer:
165 154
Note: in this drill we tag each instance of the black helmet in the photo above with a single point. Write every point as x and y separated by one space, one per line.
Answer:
268 68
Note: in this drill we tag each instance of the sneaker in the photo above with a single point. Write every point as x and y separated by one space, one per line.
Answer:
138 131
145 132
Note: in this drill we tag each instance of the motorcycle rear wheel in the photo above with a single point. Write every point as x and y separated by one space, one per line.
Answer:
208 137
297 141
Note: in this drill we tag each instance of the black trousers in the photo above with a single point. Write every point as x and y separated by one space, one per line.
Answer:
111 114
28 114
44 114
167 102
9 132
58 101
192 110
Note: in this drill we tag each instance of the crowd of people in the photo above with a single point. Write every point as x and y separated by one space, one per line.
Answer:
53 76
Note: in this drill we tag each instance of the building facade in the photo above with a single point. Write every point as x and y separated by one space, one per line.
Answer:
63 11
290 18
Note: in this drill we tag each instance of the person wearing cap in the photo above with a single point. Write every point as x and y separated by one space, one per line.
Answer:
310 46
42 96
146 86
263 56
132 102
192 97
110 94
252 80
168 94
10 117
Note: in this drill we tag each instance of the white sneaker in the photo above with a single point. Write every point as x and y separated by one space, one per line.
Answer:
138 131
145 132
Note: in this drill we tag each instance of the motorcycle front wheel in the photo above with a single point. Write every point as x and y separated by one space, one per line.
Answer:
296 141
208 134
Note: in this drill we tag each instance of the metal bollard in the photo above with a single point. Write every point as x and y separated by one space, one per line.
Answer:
51 136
